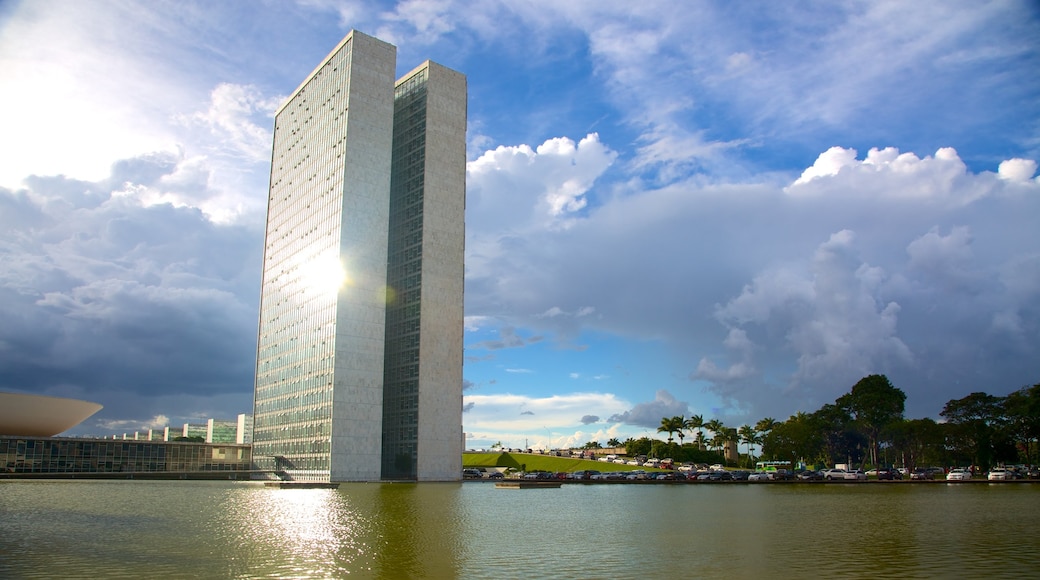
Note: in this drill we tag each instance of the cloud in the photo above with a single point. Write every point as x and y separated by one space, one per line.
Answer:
649 414
514 417
232 121
508 338
589 419
851 271
105 296
1017 169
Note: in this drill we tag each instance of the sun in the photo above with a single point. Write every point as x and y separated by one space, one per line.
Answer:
324 275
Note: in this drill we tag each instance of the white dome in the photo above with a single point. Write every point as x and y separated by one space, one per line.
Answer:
41 416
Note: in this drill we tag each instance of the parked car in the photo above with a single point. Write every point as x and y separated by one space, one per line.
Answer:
758 476
922 473
833 473
855 475
722 476
889 474
958 474
470 473
740 475
999 474
809 475
781 475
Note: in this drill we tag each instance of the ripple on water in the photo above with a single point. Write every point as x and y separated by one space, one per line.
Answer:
226 530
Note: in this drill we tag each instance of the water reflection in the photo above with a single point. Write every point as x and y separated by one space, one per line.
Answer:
418 528
226 530
299 533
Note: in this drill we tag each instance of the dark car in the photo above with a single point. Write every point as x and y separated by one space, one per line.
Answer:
740 475
809 475
922 473
783 475
887 473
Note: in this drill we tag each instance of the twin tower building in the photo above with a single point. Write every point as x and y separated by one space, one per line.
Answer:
359 357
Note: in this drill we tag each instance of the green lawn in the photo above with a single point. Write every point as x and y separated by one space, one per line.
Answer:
534 462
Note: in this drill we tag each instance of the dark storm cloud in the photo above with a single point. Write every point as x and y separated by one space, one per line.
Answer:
589 419
106 298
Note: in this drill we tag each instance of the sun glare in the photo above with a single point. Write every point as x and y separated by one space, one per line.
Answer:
324 275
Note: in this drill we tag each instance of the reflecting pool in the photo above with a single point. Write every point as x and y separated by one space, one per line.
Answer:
180 529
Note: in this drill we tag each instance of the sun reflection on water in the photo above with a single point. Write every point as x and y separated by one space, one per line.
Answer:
300 533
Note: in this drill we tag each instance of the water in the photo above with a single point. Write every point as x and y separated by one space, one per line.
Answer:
176 529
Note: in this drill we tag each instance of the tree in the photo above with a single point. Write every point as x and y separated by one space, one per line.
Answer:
614 442
801 436
641 446
766 425
592 445
873 404
670 425
972 421
716 427
696 422
917 441
749 437
838 441
1022 411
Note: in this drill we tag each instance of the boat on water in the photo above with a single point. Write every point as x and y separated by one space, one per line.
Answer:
527 484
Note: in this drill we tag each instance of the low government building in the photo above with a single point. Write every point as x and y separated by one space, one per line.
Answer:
29 448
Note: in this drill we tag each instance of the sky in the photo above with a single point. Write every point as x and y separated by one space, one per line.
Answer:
733 210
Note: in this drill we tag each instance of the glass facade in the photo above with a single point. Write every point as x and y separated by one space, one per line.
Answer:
345 298
296 347
404 277
109 456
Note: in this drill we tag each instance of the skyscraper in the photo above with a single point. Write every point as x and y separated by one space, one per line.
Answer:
359 356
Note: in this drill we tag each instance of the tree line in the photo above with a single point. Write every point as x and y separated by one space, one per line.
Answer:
866 427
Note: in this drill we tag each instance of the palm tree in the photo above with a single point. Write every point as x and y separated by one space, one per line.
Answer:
750 437
696 422
766 425
670 425
615 442
682 426
717 428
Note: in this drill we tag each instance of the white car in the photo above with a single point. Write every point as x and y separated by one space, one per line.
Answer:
829 474
999 474
758 476
855 475
958 474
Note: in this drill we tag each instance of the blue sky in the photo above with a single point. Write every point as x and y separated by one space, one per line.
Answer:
732 211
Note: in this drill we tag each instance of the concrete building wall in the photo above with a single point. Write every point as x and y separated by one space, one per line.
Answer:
443 272
357 413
